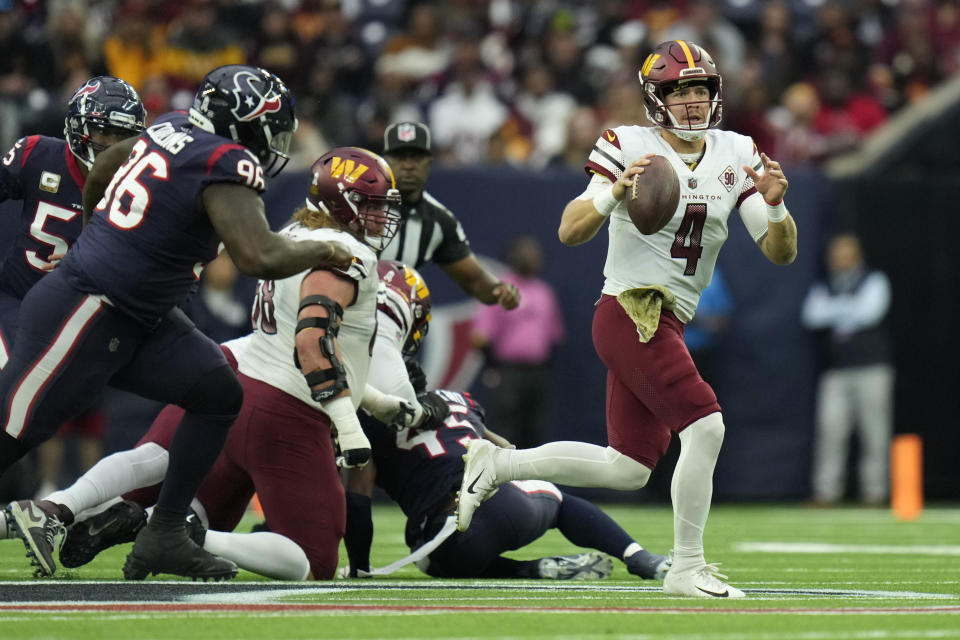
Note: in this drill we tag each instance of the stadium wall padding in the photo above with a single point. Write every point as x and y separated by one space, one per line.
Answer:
768 362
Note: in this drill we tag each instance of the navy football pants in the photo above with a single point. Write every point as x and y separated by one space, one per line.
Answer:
510 519
70 345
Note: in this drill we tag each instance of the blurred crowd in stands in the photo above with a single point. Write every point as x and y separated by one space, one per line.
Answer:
503 82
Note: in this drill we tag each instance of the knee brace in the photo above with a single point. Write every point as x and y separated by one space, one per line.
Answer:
331 325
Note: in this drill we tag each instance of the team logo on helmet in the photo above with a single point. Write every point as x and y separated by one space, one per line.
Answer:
90 87
251 103
346 169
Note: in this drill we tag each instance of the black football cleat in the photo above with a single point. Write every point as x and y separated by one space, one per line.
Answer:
116 525
195 528
176 553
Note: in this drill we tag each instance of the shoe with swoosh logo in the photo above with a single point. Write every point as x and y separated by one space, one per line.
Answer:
702 582
41 532
116 525
479 480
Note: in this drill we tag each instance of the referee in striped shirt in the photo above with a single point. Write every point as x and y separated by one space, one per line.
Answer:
428 230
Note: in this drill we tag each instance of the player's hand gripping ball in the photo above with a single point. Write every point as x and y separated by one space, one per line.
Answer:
653 196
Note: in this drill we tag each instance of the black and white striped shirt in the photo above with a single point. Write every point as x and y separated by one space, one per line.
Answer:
428 232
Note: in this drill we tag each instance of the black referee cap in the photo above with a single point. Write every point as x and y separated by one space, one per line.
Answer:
406 135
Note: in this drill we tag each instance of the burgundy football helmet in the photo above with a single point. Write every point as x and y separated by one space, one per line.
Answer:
404 287
672 65
357 188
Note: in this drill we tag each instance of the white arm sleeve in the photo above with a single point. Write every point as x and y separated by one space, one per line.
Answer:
753 212
388 373
597 184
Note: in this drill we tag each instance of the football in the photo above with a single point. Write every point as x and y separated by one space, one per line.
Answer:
653 197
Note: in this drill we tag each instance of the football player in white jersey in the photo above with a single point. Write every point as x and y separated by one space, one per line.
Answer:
651 288
421 468
301 369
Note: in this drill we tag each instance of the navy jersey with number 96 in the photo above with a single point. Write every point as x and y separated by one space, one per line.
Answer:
148 239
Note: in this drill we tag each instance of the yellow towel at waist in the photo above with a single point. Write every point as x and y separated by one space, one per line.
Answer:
643 305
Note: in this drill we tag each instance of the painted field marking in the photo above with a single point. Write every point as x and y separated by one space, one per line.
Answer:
170 607
55 593
825 547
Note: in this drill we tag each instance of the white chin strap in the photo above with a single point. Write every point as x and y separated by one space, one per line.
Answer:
688 134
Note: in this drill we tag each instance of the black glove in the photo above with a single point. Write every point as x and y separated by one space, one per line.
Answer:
357 452
435 410
417 377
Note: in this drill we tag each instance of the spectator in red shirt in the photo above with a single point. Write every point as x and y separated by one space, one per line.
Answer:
846 115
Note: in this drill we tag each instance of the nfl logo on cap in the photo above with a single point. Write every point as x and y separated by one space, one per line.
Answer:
406 132
406 135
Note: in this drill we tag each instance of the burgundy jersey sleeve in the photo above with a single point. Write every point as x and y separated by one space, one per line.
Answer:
606 158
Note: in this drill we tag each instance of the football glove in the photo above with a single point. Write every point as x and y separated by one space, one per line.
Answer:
352 450
387 408
435 410
350 445
417 377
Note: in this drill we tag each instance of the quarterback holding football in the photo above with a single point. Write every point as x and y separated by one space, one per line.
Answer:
653 278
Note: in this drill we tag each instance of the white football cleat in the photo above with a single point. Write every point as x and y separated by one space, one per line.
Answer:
479 480
702 582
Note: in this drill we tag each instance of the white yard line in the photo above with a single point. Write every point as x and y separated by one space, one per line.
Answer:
826 547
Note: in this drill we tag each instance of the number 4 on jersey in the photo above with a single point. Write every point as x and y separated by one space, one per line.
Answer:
686 242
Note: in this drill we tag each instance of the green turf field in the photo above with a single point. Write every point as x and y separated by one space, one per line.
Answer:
814 574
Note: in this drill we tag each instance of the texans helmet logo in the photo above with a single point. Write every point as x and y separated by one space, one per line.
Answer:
90 87
251 103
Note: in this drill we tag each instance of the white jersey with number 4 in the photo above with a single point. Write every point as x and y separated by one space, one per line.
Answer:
682 255
267 353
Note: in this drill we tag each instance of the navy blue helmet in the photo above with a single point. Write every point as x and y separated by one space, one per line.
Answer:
105 105
250 106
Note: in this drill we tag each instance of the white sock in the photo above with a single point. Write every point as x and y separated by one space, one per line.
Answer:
576 464
113 476
692 489
201 513
631 549
269 554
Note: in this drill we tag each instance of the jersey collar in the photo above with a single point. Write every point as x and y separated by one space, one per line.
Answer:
74 168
